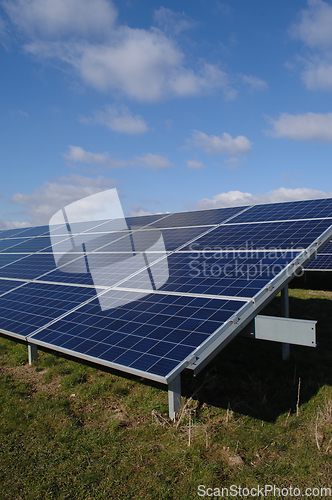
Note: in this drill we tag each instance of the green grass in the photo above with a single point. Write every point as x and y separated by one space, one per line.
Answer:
68 431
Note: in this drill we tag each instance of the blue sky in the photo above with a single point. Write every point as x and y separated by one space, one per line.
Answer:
179 105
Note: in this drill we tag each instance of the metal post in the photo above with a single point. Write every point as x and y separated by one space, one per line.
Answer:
285 312
32 353
174 396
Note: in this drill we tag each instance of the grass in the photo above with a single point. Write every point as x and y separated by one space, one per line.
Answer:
69 431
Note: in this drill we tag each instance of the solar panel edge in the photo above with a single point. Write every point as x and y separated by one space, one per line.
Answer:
99 361
319 270
7 333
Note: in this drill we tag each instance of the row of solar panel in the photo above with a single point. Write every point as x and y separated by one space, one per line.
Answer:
243 275
199 271
272 212
156 326
152 333
282 235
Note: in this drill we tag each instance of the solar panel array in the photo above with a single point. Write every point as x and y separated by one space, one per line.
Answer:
219 261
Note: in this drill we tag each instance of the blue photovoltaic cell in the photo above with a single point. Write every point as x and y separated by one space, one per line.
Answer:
96 226
173 238
327 249
199 218
152 334
8 233
236 275
145 220
322 261
282 235
6 286
31 306
286 211
25 267
33 231
10 243
30 245
24 232
59 276
7 259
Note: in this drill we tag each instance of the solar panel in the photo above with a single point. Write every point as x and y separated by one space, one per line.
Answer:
309 209
154 310
322 261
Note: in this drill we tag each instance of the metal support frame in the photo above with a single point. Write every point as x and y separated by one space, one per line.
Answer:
174 396
285 312
32 353
275 329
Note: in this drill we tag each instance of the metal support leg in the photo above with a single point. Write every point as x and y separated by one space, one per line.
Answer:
32 353
285 312
174 396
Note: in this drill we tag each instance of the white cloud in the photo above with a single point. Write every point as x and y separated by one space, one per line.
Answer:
19 112
146 66
288 194
195 165
172 22
138 63
119 120
9 224
314 25
138 210
78 154
40 205
255 84
152 161
233 163
223 144
307 126
143 64
238 198
231 198
2 28
314 30
56 18
318 73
